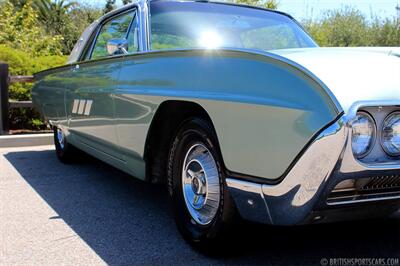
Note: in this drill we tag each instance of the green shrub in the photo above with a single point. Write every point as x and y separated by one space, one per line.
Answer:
21 63
349 27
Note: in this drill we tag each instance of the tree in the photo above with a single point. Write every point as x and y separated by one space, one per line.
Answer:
110 5
22 31
349 27
384 32
18 3
339 27
53 14
27 48
271 4
83 15
55 19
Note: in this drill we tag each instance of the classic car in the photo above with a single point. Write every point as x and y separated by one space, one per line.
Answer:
236 110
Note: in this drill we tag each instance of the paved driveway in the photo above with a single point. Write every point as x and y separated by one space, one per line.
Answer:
90 213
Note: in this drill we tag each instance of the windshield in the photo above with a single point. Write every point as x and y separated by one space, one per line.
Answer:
212 25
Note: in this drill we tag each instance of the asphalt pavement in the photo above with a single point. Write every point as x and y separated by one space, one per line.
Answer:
89 213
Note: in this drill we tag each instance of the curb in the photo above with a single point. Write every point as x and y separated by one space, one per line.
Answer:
26 140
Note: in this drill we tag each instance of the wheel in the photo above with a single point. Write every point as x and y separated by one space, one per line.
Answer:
203 209
66 153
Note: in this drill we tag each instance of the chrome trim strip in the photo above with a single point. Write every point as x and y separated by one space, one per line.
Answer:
349 202
351 114
266 206
143 21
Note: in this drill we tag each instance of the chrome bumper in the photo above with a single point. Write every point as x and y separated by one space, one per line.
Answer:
303 192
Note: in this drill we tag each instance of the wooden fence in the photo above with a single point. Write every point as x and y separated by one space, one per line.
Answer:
5 103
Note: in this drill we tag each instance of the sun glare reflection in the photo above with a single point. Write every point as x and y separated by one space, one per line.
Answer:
210 40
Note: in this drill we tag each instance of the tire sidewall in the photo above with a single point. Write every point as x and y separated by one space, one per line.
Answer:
194 131
63 154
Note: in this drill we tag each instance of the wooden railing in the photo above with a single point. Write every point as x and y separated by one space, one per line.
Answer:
5 103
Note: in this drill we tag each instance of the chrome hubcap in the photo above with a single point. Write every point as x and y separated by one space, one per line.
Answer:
200 180
60 138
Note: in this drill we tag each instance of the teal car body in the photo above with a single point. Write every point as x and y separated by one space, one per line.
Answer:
268 108
126 93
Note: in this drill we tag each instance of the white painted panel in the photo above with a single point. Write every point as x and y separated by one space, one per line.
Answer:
88 107
81 106
75 106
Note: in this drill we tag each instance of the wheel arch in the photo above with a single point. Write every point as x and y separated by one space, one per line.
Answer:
166 121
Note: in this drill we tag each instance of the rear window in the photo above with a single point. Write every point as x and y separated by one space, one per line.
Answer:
211 25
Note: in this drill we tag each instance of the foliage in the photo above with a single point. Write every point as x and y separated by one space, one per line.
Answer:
21 63
22 31
63 19
18 3
349 27
271 4
110 5
385 32
54 18
35 33
80 17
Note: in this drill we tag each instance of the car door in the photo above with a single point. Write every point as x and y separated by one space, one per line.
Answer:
91 87
131 114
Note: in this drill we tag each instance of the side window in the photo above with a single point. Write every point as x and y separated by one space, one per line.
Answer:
270 38
166 33
165 40
116 28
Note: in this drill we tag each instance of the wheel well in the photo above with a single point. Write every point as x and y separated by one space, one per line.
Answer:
166 121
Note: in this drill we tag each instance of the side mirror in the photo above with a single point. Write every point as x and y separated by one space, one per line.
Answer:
117 46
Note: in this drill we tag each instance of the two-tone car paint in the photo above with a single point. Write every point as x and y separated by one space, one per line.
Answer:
284 105
284 136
